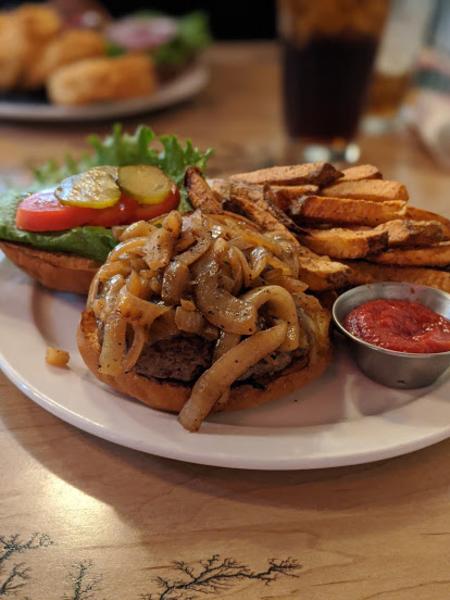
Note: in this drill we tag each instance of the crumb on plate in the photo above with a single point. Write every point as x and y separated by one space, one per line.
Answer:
57 357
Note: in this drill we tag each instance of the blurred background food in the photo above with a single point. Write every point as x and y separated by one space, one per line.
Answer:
78 54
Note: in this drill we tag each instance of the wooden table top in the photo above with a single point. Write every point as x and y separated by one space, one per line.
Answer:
82 519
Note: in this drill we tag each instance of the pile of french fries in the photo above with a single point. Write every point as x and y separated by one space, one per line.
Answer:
351 226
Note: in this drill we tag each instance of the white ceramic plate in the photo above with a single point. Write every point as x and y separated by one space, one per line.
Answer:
183 87
341 419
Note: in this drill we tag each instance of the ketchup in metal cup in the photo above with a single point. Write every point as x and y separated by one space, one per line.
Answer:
399 325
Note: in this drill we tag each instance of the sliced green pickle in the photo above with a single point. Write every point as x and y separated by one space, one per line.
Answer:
145 184
96 188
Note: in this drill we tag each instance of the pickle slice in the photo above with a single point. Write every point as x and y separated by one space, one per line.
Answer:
96 188
145 184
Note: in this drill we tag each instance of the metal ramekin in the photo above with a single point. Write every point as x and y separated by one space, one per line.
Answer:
389 367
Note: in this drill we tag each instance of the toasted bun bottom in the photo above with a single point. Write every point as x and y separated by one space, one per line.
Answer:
55 270
170 397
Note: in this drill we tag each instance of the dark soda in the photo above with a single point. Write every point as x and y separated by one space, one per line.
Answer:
325 82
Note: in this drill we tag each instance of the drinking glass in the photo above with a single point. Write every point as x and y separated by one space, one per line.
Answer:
328 49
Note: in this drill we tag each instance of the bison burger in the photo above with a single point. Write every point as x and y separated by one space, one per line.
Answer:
203 313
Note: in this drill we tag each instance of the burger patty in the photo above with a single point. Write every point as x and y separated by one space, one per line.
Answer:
184 358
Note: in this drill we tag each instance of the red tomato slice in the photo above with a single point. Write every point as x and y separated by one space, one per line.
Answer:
121 213
42 211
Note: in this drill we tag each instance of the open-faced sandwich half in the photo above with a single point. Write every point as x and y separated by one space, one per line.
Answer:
63 231
203 312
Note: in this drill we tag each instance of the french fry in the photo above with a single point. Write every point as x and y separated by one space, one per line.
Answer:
321 273
283 195
418 214
432 256
364 272
345 211
345 243
319 173
360 172
377 190
413 233
199 193
252 201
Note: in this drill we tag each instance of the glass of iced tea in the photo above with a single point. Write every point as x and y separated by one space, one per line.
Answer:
328 49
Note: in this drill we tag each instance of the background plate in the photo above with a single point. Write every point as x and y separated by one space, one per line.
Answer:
341 419
183 87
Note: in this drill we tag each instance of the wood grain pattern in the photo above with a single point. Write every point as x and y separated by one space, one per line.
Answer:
96 521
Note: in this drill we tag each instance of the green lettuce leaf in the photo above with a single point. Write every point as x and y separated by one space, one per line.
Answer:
141 147
90 242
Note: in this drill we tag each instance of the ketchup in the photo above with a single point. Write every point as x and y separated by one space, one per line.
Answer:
399 325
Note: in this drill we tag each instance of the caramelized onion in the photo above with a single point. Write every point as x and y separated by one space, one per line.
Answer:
164 327
282 306
125 249
113 345
158 249
218 306
138 229
225 342
138 311
214 382
175 280
195 252
189 321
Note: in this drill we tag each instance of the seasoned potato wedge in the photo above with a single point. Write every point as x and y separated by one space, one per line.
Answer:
360 172
378 190
345 243
364 272
319 173
432 256
199 192
418 214
346 211
413 233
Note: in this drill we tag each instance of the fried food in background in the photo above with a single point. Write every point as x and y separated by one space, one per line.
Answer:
12 51
102 79
36 51
24 35
71 46
39 25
